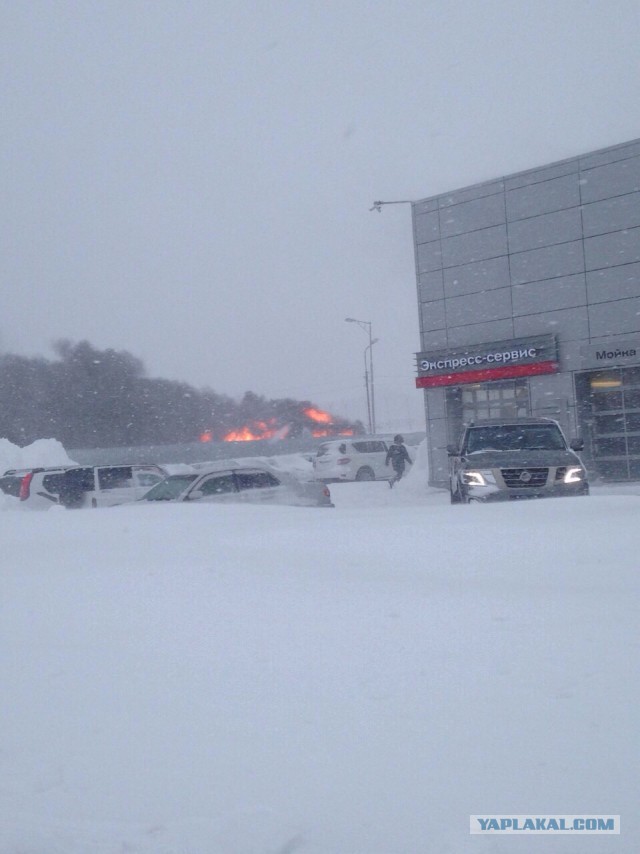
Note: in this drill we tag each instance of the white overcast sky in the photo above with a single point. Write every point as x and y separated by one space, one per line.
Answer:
191 180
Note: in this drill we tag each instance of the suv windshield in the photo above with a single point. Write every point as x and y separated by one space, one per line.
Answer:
515 438
171 487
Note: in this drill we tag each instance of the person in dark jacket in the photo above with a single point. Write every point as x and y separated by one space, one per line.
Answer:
399 457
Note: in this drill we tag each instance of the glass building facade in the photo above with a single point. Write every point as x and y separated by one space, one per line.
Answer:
529 300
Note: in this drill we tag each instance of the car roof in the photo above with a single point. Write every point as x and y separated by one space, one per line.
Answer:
34 470
213 465
249 465
112 466
512 422
231 465
340 440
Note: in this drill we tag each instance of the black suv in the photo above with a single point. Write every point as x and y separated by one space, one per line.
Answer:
508 460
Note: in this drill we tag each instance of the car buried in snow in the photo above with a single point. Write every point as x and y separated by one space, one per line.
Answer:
514 460
233 483
76 486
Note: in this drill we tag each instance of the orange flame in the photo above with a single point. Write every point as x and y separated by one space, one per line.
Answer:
318 415
270 429
242 435
319 434
250 433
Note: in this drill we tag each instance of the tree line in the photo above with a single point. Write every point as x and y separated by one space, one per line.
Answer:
90 398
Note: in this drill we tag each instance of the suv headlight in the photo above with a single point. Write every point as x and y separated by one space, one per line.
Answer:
574 474
478 477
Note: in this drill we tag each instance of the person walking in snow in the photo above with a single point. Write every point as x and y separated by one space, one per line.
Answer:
398 456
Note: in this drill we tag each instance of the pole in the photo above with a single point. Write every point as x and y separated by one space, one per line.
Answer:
366 325
366 385
373 399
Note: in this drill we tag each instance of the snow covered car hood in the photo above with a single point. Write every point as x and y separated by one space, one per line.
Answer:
520 459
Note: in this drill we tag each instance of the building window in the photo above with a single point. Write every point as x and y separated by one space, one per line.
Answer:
609 416
481 401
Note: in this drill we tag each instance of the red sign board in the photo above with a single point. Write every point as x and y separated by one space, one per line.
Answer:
504 372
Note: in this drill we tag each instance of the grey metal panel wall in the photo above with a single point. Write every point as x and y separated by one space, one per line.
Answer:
554 249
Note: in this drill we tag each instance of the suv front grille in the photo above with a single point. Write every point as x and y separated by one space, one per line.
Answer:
525 477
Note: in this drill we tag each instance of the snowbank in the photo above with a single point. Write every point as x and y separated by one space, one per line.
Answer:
416 480
42 452
253 680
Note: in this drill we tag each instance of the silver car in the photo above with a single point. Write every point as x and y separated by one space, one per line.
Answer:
224 483
512 460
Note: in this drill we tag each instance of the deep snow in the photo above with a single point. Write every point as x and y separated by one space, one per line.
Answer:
262 680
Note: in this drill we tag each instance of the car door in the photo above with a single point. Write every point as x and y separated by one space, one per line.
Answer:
220 488
114 485
144 479
378 453
257 486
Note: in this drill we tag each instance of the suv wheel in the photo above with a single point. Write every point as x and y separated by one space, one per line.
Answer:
365 473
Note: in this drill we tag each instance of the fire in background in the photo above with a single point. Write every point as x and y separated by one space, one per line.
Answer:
304 420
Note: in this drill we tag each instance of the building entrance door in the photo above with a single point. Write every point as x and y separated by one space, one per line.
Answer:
480 401
609 414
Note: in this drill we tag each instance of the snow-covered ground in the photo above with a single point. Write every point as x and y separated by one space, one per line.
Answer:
269 680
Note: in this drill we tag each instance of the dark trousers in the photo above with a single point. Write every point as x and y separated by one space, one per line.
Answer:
399 471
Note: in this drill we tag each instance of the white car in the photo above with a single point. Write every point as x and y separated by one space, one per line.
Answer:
231 482
39 488
80 486
352 459
104 486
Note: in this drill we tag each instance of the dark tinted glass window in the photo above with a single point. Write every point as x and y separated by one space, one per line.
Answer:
515 438
51 482
218 485
606 401
632 399
609 423
114 477
79 479
612 446
11 486
256 480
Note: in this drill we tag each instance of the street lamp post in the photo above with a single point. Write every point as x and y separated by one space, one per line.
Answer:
369 347
368 374
366 385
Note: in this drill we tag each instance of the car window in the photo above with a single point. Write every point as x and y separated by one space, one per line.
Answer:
169 488
547 439
370 447
79 479
11 485
218 485
514 437
256 480
114 477
52 482
146 478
